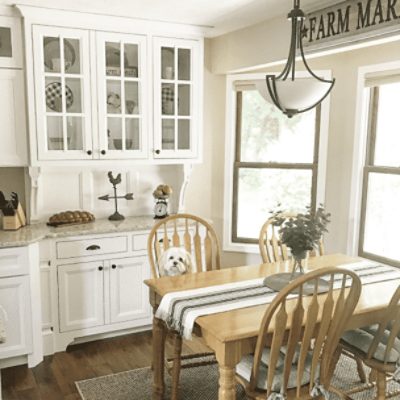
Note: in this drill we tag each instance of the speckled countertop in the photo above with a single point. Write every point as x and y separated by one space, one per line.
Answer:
36 232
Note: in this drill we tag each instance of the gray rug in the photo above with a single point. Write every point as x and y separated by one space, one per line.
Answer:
200 383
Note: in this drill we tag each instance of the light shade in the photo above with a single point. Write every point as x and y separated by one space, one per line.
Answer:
297 95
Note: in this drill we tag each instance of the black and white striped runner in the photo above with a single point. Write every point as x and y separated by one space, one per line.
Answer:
181 309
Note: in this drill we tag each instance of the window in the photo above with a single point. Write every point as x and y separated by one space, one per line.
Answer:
380 211
275 162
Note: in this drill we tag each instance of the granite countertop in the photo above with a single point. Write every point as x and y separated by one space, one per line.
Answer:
36 232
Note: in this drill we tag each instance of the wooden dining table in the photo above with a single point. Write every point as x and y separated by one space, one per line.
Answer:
233 334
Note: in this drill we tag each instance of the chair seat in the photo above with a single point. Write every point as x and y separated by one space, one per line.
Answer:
362 338
244 368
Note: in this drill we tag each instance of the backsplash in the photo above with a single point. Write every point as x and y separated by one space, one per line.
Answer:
61 189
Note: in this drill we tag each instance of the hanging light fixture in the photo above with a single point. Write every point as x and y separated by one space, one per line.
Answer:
293 95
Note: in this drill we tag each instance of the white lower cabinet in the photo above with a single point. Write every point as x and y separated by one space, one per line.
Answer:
128 296
15 302
95 294
81 295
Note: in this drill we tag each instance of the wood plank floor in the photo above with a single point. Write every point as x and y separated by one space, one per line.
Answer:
54 378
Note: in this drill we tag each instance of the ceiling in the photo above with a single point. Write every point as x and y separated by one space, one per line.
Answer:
221 16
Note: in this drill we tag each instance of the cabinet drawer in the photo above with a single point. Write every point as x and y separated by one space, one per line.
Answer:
14 261
139 242
92 247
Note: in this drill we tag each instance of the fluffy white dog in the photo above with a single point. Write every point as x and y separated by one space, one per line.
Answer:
175 261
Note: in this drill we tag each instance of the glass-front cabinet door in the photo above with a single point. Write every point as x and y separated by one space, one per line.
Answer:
122 96
176 98
62 90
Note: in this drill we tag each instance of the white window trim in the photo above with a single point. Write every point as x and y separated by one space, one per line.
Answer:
360 151
230 134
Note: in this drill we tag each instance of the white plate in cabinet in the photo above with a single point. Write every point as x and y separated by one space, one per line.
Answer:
15 300
81 295
91 247
128 294
14 261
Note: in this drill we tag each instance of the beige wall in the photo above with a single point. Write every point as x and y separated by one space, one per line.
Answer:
344 67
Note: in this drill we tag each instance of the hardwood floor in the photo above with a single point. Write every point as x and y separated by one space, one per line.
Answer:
55 377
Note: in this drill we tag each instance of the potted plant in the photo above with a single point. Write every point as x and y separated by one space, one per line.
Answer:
302 232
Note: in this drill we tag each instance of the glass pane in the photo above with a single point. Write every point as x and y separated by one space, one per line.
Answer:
75 133
131 63
55 139
132 134
267 135
113 59
184 134
72 57
382 215
73 91
387 130
167 63
131 98
168 98
113 97
184 100
53 95
114 133
168 134
184 64
262 190
51 54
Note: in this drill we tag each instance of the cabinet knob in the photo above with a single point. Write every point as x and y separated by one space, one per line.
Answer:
103 152
89 152
100 268
158 151
113 266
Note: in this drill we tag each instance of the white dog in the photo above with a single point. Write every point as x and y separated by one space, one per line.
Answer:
175 261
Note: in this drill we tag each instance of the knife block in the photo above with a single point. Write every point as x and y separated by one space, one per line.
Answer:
11 222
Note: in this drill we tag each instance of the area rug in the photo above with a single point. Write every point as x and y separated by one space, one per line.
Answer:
200 383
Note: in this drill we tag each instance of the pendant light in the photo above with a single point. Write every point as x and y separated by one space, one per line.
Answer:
293 95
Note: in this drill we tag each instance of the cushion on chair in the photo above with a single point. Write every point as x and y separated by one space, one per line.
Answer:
362 339
245 366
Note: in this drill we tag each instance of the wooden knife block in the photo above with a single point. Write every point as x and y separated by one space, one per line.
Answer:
16 221
11 222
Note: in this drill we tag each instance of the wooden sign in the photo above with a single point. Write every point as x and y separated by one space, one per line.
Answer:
351 21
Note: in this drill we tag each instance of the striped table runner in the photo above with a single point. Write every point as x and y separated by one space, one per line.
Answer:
180 309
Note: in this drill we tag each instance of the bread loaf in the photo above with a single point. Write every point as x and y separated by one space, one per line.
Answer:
71 217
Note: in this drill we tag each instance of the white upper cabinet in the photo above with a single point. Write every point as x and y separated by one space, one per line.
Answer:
13 148
62 87
177 98
122 95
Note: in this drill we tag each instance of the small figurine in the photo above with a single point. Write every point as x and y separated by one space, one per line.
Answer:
161 194
129 196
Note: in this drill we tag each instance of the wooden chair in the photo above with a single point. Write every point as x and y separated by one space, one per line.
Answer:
271 247
378 346
297 361
198 237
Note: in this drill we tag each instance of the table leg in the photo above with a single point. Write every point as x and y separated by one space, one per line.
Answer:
227 385
159 333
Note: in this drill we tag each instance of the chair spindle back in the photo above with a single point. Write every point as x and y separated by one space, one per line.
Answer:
301 322
196 235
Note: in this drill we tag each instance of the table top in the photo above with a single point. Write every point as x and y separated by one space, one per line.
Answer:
243 323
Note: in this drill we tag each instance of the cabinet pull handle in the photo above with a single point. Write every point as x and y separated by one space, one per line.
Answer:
113 266
100 268
93 247
89 152
158 151
103 152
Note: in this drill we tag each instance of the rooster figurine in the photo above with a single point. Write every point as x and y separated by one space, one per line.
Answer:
129 196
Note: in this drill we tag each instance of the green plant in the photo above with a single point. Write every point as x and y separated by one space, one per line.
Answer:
302 232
